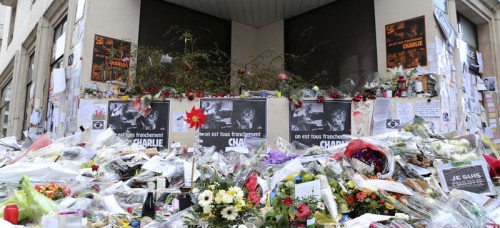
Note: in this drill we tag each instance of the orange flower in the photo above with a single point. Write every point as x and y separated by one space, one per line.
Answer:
50 194
373 196
361 196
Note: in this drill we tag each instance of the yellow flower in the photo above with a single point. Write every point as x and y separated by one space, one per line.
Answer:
238 206
367 191
124 98
389 206
351 184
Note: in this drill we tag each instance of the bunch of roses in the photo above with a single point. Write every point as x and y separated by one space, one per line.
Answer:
53 191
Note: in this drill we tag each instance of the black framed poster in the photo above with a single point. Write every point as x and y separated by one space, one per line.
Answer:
149 131
321 124
229 120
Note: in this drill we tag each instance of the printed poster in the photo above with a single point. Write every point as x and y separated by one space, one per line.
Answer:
405 43
150 131
321 124
229 120
110 60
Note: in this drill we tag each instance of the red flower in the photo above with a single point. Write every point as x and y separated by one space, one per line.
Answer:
253 197
251 182
320 99
287 201
298 104
95 167
303 211
165 94
195 118
350 200
356 99
381 201
361 196
373 196
240 71
130 210
191 97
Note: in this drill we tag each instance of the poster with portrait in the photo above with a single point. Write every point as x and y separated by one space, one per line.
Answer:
149 131
229 120
110 60
490 83
321 124
405 43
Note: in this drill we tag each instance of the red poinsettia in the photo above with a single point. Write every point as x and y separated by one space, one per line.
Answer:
287 201
303 211
195 118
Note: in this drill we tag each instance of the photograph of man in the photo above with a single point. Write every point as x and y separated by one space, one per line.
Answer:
218 114
149 122
308 117
120 116
489 83
244 118
337 120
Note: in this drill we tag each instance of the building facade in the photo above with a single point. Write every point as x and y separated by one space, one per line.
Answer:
42 38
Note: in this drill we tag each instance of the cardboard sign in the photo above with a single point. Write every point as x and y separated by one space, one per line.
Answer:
473 177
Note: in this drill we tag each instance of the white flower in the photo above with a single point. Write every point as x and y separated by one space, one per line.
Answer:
205 198
321 206
207 209
235 191
229 213
227 199
315 88
218 197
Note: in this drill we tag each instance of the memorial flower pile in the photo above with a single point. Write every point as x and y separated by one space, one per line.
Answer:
53 191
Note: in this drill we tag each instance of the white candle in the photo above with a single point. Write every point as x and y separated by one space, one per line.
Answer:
419 87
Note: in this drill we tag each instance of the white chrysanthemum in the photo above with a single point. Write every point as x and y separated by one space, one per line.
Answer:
235 191
218 196
321 206
208 209
229 213
205 198
227 199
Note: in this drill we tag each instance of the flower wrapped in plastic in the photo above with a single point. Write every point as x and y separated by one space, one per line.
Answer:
220 204
371 157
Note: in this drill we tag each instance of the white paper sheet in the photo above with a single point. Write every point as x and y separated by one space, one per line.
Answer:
59 79
179 125
79 10
311 188
390 186
426 109
35 117
405 112
85 110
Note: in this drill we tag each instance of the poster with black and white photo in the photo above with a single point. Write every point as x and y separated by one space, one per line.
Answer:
229 120
320 124
149 131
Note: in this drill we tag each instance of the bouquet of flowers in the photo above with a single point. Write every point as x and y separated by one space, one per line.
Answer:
53 191
221 204
370 159
290 210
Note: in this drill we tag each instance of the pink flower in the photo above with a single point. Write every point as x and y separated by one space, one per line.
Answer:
282 76
253 197
303 211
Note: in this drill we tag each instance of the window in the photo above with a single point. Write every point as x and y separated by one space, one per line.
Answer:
29 93
12 22
468 31
4 108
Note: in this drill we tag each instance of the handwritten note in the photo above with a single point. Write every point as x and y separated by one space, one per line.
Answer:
405 112
311 188
427 109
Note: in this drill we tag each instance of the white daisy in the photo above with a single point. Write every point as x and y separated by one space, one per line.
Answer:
229 213
205 198
207 209
321 206
235 191
227 199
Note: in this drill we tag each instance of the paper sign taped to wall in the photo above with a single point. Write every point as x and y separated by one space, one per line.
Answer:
59 79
